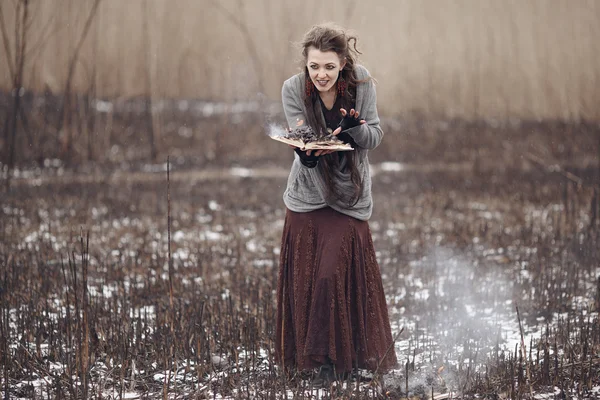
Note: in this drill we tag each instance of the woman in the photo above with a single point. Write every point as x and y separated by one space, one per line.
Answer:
331 310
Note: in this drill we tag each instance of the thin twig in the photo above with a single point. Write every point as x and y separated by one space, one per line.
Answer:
524 354
6 45
244 29
557 168
71 71
169 236
46 33
591 363
388 350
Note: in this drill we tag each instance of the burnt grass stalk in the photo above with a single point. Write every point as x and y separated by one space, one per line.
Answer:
101 295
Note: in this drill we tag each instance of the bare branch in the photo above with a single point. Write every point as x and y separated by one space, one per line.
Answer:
86 28
558 169
6 44
23 42
153 126
20 45
17 36
269 17
66 105
291 24
243 27
32 13
46 33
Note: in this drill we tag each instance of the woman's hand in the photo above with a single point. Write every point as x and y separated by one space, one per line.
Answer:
321 152
349 120
317 152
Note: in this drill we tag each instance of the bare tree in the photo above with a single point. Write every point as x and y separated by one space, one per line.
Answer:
37 126
241 24
65 120
86 111
91 98
15 67
151 118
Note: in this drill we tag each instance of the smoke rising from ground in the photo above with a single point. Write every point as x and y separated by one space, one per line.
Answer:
456 310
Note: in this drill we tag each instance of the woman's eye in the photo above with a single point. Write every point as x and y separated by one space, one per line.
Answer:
313 66
330 67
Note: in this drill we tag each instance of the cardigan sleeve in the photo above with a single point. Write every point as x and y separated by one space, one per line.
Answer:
292 102
369 134
292 108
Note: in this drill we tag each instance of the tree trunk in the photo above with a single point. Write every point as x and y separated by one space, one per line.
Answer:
150 120
11 132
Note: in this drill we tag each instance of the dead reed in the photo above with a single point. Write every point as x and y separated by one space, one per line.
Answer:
101 296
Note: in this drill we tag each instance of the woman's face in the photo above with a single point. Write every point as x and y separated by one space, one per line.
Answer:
323 68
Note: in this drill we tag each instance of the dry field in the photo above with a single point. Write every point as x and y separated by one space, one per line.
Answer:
100 299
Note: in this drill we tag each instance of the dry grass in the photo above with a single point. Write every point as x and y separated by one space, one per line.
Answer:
476 223
481 239
466 58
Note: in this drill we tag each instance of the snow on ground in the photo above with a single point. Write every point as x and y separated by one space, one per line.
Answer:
455 308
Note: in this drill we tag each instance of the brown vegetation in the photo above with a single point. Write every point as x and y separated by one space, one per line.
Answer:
174 292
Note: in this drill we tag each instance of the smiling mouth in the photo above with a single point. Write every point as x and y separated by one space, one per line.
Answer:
322 82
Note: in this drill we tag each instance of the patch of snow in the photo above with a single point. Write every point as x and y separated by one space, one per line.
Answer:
390 166
242 172
103 107
210 235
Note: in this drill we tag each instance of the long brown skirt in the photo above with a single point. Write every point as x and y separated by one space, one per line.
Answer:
330 302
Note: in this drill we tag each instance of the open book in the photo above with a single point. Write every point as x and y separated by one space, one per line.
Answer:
304 138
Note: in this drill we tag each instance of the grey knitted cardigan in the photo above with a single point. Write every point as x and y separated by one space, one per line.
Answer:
306 187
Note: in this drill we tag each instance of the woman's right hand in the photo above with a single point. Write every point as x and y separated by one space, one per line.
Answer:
308 160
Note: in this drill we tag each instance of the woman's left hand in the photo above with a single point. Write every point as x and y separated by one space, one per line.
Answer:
353 114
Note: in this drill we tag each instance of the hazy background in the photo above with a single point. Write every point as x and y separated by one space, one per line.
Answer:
534 59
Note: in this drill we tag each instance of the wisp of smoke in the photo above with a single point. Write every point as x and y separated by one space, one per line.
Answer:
276 130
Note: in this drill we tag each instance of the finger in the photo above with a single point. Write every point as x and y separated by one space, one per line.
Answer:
318 153
308 152
299 121
343 111
356 115
362 121
337 131
352 111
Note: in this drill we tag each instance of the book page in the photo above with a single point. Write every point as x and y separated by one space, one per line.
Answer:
304 138
294 142
318 145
